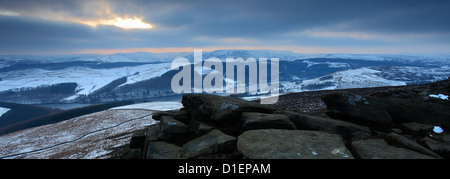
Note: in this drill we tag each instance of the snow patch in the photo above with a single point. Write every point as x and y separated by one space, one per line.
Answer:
3 111
440 96
438 129
156 106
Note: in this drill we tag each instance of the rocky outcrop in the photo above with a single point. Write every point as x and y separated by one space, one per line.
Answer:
403 118
384 108
222 110
211 126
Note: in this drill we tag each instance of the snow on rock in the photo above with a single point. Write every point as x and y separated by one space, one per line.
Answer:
3 111
437 129
440 96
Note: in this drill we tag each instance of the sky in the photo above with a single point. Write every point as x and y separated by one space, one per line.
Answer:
301 26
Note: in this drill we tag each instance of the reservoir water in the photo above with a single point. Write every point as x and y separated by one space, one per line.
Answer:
67 106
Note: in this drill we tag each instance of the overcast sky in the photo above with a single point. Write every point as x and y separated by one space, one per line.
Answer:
303 26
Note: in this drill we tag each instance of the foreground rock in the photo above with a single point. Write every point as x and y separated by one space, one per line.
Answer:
417 127
220 109
353 126
430 111
211 143
253 121
384 108
175 114
380 149
401 141
437 146
235 121
308 122
355 108
291 144
172 130
162 150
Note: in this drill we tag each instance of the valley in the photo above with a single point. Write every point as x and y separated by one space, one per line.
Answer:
83 80
98 79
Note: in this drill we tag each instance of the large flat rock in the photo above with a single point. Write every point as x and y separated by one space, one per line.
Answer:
162 150
380 149
253 121
356 108
291 144
333 126
172 130
211 143
221 109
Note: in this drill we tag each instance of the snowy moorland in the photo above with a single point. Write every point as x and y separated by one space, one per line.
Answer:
90 136
132 76
88 79
354 78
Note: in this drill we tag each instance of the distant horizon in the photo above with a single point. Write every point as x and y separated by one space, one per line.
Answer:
115 51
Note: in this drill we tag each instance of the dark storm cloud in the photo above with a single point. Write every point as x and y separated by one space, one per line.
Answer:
182 23
19 34
32 36
268 16
237 16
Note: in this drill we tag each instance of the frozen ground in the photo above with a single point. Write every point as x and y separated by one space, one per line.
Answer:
91 136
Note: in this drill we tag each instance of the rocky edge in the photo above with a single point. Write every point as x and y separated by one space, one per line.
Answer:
394 124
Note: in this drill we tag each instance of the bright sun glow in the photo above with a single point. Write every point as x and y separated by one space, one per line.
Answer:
130 23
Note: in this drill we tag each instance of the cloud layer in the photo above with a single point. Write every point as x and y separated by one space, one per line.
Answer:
53 26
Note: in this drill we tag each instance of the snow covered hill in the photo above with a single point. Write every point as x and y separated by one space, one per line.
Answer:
353 78
88 80
130 76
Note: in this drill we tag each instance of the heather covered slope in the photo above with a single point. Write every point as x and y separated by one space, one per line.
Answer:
97 135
